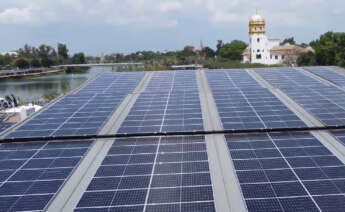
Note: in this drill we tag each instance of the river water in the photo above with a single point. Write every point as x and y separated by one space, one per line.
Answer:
29 89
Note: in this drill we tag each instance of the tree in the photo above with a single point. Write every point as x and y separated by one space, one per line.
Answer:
233 50
35 63
45 51
329 49
289 41
306 59
208 52
47 54
47 62
186 56
78 58
62 51
219 46
6 60
21 63
28 51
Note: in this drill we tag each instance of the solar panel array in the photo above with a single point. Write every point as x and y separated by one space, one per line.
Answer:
84 112
290 171
243 103
287 172
152 174
327 103
170 103
32 173
328 73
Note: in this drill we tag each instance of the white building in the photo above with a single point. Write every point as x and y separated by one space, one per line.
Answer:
268 51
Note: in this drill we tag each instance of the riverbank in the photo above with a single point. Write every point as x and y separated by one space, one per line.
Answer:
5 74
41 87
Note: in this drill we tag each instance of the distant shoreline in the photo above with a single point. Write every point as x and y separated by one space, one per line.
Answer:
27 73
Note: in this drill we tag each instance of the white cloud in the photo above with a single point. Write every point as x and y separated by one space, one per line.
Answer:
18 16
163 13
170 6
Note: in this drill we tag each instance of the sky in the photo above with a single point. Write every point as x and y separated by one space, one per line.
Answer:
124 26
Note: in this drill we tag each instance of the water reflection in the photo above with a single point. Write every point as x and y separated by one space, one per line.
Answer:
30 89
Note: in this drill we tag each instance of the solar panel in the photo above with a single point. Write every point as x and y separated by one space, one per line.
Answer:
32 173
152 174
244 104
327 73
287 172
81 113
4 125
327 103
170 103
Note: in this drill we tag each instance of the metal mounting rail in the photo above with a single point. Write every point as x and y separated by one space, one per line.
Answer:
267 130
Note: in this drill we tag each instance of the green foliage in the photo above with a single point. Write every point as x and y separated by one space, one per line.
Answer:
219 46
47 62
44 55
289 40
233 50
62 51
28 52
6 60
21 63
329 49
225 63
51 96
186 56
208 52
35 63
78 58
306 59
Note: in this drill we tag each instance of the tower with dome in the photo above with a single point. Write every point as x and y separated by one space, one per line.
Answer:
268 51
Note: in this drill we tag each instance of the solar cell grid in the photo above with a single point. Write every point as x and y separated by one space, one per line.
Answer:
287 77
172 80
327 103
32 173
243 104
176 108
290 171
4 125
83 113
113 83
328 73
152 174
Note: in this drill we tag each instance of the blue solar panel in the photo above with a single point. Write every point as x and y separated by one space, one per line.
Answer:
30 178
243 104
4 125
327 73
166 182
170 103
327 103
295 172
84 112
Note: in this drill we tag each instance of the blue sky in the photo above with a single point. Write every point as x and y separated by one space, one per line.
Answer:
107 26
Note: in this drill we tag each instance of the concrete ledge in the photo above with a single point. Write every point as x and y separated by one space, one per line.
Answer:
226 189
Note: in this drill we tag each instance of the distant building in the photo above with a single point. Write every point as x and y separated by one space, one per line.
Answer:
190 48
11 53
268 50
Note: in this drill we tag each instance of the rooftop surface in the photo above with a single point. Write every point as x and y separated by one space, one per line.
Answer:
268 139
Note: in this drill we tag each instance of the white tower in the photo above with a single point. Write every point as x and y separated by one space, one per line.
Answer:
259 51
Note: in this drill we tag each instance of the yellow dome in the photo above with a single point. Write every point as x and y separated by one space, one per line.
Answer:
257 24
